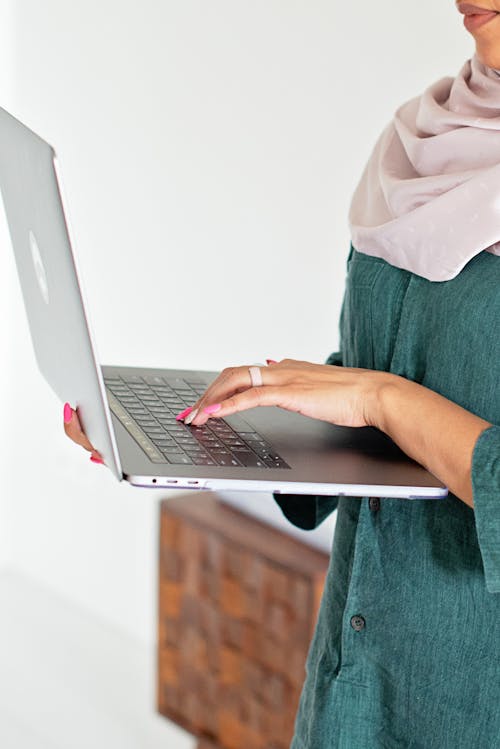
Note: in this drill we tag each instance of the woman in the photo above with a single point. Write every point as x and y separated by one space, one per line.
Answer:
407 647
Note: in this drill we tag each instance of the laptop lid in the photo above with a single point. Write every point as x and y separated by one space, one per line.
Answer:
50 283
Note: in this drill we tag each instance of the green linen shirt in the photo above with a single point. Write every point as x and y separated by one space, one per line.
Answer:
406 651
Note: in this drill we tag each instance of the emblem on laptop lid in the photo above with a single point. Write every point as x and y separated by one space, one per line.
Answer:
39 268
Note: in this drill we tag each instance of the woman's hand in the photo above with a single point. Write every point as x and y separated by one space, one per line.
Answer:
74 430
434 431
341 395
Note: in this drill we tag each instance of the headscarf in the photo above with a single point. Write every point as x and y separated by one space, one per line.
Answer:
429 197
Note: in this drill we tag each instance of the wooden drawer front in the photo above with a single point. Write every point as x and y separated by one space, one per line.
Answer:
234 630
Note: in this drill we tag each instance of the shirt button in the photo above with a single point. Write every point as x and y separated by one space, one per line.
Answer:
374 504
357 623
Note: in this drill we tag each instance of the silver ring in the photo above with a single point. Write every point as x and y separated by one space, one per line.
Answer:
255 376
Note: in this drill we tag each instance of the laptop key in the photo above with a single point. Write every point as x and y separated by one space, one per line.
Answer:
233 442
154 380
194 453
258 440
155 432
264 452
255 446
200 461
175 382
274 456
224 433
157 458
277 464
226 460
119 392
206 439
128 400
250 460
165 445
135 379
178 458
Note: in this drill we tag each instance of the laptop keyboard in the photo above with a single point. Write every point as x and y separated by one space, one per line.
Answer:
147 406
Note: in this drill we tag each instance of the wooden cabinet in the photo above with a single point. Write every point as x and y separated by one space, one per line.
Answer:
238 602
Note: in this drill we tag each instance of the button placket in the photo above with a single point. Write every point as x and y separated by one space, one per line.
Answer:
352 650
374 504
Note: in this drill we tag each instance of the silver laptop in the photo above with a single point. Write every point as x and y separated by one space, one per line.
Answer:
129 413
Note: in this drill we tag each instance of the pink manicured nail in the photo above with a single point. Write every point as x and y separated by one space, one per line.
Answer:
183 414
212 409
271 361
68 413
94 459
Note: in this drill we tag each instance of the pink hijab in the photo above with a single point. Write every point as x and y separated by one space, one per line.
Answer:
429 197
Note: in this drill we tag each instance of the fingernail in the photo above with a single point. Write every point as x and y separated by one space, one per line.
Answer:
94 459
183 414
212 409
68 413
191 416
271 361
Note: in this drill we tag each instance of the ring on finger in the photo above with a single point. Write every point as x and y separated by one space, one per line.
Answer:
255 376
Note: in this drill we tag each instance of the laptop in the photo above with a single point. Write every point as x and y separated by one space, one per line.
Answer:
129 413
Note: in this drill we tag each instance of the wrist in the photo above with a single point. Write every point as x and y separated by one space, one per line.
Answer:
387 393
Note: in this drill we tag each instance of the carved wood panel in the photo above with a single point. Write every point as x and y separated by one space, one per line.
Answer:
238 602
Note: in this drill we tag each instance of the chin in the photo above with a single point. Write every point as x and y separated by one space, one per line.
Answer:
489 55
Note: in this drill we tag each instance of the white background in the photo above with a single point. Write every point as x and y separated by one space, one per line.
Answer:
209 149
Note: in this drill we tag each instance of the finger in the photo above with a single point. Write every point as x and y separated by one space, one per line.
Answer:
230 380
281 396
73 428
238 380
183 415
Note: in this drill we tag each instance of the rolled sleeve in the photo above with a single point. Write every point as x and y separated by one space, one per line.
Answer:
335 359
304 511
486 495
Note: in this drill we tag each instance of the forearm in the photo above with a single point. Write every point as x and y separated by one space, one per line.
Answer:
432 430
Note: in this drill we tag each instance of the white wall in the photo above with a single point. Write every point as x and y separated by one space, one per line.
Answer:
209 151
6 292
